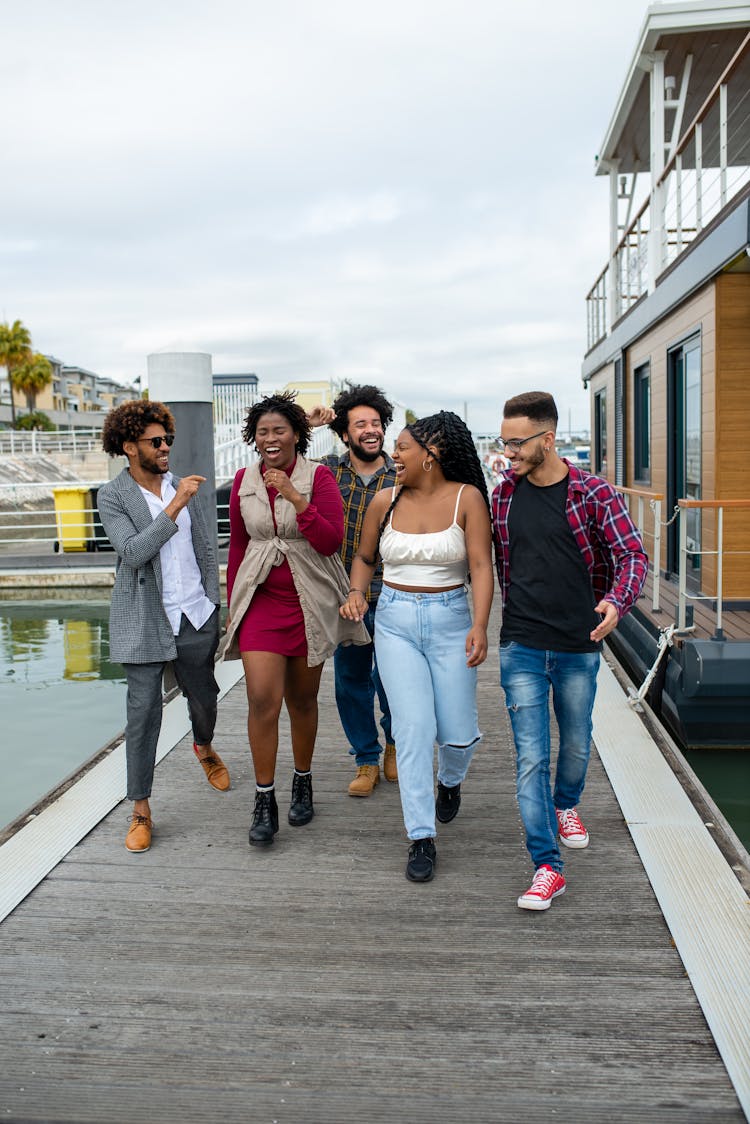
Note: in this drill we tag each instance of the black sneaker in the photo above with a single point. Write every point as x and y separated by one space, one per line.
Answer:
301 810
448 802
422 860
265 818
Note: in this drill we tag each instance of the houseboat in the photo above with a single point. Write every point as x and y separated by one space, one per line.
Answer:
668 360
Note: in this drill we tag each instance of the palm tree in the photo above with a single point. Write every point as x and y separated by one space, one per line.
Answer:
31 377
15 348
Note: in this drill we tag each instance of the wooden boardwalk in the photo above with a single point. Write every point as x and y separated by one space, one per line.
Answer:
210 981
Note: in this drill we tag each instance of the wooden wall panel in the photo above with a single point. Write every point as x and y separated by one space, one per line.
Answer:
732 417
696 315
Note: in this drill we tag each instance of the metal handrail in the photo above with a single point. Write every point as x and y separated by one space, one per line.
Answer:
654 502
17 442
719 506
636 234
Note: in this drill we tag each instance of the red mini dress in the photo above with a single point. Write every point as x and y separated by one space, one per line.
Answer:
274 620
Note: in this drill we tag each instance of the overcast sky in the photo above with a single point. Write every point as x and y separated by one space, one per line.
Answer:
400 193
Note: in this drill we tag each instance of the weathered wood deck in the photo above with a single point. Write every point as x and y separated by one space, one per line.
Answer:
210 981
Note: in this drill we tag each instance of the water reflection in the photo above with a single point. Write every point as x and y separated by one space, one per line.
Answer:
60 697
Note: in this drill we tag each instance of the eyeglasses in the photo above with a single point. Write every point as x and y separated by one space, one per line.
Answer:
516 443
157 442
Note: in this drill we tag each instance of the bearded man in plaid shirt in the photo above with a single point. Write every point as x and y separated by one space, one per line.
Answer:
571 563
360 417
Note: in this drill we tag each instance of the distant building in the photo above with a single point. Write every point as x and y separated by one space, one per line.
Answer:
75 398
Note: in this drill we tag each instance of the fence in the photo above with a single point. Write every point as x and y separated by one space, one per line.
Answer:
708 169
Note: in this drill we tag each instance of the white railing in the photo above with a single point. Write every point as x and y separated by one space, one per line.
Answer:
687 554
78 530
18 442
698 183
231 456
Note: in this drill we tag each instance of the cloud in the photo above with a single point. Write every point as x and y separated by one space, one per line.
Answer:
400 192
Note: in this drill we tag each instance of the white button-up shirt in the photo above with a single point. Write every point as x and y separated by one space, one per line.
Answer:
182 585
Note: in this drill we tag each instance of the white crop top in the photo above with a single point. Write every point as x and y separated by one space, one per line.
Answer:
435 559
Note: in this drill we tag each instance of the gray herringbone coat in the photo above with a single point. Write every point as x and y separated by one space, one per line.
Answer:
139 629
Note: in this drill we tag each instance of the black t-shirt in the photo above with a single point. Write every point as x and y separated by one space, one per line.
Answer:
550 602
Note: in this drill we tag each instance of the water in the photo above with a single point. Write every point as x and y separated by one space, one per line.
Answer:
725 773
61 699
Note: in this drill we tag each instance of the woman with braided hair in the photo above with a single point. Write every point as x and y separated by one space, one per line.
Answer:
432 531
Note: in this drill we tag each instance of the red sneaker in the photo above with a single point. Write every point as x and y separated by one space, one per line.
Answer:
572 831
547 884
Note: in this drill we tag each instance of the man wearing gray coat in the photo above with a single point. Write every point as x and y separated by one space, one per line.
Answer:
165 601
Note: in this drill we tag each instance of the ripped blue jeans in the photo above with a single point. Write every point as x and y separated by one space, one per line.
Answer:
526 675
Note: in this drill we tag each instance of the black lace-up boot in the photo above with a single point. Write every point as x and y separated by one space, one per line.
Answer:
448 802
301 809
265 817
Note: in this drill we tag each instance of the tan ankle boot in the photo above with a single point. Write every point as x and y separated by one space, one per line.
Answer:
390 770
366 779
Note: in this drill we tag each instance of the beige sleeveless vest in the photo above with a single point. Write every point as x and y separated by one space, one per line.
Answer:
321 583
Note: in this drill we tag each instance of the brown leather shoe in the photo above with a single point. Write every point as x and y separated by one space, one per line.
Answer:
390 771
366 779
139 833
215 770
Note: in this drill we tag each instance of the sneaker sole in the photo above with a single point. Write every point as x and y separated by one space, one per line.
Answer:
428 878
574 844
538 904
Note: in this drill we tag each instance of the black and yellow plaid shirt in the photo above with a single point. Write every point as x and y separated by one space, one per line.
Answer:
356 496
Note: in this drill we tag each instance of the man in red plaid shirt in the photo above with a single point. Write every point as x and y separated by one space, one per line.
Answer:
571 563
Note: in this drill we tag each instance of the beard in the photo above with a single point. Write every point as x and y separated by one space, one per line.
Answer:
531 461
151 466
368 455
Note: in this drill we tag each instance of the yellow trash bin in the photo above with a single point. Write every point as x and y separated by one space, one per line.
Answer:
73 516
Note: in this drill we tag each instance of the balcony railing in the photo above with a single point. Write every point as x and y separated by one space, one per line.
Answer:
650 527
688 553
708 169
650 530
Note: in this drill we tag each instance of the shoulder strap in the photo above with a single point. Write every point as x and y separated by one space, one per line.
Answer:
458 500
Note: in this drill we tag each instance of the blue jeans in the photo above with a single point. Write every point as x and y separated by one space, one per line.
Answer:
420 641
526 675
357 683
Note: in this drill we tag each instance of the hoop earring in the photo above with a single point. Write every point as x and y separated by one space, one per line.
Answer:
427 465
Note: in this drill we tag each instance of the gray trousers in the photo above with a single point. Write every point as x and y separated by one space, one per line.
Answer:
194 672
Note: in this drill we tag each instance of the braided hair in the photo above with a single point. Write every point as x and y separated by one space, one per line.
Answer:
285 405
456 454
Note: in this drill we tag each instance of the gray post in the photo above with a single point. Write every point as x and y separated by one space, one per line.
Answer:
183 381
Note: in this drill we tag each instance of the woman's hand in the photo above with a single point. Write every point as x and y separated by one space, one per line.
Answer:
355 606
276 478
476 646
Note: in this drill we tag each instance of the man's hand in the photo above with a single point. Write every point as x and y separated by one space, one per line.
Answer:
320 415
185 491
609 622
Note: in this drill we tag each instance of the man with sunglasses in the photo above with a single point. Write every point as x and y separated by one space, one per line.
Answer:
164 613
571 563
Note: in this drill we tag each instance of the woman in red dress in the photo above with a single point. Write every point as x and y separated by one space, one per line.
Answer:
285 583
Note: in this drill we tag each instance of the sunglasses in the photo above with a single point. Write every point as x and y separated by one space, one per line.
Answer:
157 442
